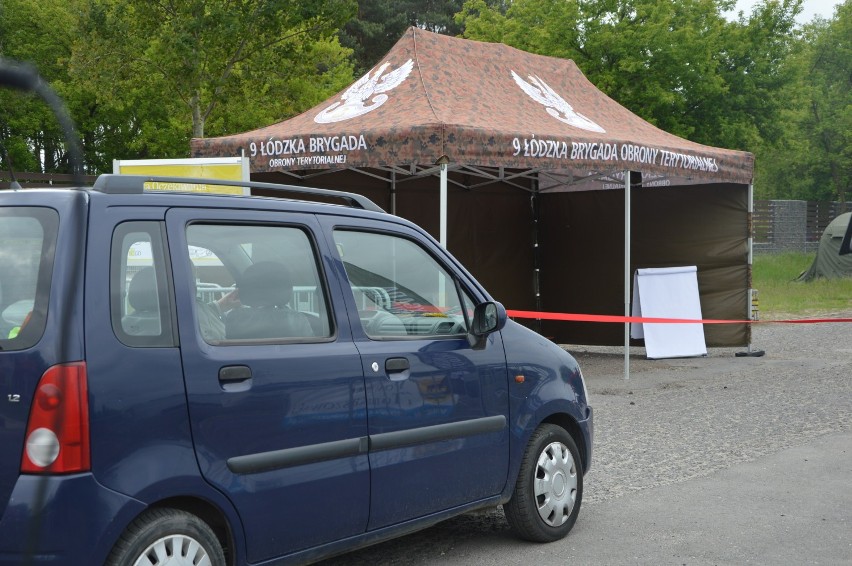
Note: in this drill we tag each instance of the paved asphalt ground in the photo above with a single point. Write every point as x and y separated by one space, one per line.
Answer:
716 460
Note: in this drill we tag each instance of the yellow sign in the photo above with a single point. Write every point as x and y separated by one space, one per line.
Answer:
225 168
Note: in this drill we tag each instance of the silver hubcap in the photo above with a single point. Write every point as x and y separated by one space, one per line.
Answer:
174 550
555 484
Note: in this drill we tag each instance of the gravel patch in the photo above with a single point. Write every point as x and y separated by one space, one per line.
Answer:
678 419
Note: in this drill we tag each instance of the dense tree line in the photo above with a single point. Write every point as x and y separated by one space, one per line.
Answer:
141 77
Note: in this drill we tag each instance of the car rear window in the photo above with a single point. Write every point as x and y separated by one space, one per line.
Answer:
27 245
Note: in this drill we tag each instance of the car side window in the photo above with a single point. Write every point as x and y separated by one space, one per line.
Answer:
139 291
257 284
401 291
27 245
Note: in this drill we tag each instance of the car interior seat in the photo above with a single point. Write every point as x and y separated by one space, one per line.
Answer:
142 297
266 290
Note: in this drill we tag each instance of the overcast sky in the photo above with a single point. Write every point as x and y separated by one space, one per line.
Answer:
810 8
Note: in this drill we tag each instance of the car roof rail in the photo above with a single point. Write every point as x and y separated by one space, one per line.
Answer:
135 184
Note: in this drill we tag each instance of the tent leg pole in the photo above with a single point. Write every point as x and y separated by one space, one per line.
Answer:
536 255
443 205
751 313
393 192
626 274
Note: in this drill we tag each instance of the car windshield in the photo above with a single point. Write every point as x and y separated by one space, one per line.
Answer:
27 242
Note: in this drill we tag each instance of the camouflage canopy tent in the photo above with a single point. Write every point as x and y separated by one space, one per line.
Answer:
520 166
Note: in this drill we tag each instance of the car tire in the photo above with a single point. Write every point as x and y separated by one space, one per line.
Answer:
167 536
549 489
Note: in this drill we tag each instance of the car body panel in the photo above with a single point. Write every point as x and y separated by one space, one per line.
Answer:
295 431
62 335
433 422
325 449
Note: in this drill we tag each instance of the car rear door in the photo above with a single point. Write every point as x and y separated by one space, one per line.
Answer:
437 408
278 420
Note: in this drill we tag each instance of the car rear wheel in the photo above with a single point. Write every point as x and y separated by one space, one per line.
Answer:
167 537
549 488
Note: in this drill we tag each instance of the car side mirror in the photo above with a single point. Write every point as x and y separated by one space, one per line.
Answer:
487 318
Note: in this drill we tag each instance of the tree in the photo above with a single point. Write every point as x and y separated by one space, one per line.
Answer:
379 24
142 77
28 130
680 65
828 123
260 59
756 72
811 157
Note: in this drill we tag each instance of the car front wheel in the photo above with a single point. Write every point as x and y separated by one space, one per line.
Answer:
549 488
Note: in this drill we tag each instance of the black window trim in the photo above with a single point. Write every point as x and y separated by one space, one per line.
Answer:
163 272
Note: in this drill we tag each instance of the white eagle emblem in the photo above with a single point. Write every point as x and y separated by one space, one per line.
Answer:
541 92
356 96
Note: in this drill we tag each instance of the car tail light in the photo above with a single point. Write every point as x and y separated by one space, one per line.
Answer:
57 440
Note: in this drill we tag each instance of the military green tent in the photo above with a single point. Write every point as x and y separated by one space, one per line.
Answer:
828 262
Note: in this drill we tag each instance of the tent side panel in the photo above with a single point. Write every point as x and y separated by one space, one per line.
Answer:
490 228
707 226
489 231
582 266
582 263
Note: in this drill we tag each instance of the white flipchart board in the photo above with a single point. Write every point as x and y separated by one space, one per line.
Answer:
668 292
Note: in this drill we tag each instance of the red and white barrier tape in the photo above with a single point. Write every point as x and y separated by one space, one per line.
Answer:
653 320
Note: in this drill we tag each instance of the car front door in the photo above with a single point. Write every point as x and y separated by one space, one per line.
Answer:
437 408
274 381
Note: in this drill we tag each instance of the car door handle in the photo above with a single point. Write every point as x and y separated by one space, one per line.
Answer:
235 378
397 368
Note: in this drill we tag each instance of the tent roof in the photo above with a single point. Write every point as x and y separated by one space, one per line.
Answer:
478 104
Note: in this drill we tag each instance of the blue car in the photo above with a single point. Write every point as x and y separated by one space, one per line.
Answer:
223 379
